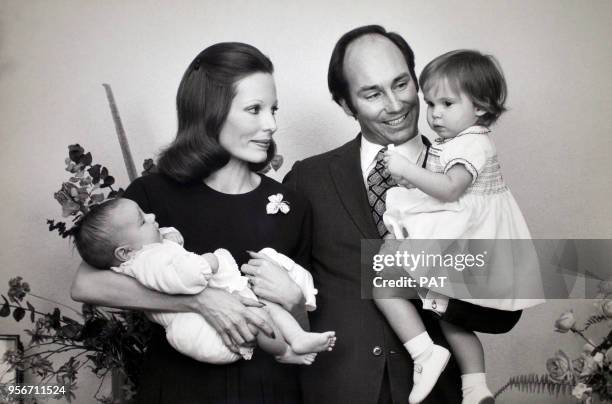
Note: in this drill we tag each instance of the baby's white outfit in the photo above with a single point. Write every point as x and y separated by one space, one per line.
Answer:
167 267
487 210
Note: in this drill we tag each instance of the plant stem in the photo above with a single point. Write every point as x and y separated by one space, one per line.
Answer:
54 302
583 337
37 312
102 378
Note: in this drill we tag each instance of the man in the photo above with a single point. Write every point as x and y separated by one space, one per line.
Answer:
371 76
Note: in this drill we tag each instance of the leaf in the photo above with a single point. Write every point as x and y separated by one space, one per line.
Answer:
19 313
103 173
108 181
70 331
6 309
149 167
277 162
75 151
97 198
69 320
32 311
94 172
85 159
54 319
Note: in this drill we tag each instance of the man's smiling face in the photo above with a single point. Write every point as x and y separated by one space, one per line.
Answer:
383 94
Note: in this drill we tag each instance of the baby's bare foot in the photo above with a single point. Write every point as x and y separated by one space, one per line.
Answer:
314 342
296 359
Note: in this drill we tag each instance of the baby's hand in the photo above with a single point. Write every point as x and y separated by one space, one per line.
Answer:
403 182
175 236
396 163
212 261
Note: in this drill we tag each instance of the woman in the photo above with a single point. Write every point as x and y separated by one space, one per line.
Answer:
209 190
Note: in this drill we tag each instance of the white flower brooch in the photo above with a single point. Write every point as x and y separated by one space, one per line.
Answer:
276 203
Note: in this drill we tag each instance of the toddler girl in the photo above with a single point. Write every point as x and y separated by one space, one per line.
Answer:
119 235
461 195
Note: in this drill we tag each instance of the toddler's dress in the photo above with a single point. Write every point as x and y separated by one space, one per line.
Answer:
487 210
167 267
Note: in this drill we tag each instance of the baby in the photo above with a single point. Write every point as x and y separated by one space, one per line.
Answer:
119 235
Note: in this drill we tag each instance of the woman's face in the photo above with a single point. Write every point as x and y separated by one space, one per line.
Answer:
247 132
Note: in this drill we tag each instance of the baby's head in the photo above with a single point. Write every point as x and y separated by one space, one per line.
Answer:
111 232
462 88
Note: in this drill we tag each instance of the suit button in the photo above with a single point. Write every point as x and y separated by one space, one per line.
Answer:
377 351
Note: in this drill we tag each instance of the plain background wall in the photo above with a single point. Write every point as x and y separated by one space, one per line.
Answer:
54 55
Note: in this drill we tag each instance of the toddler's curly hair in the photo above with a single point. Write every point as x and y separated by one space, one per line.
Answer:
478 76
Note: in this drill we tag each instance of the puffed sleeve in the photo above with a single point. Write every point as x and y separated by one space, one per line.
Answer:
470 150
169 268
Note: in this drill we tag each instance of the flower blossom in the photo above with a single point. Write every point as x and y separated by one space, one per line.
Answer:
565 322
18 289
580 389
560 368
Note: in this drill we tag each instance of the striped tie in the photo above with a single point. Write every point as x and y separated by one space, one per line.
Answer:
379 181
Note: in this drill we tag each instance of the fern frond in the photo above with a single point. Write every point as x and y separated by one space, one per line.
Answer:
594 319
533 383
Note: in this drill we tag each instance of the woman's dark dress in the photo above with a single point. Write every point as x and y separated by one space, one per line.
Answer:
209 220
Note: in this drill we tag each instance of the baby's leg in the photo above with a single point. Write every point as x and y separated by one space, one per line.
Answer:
429 359
402 316
301 341
278 347
470 355
466 348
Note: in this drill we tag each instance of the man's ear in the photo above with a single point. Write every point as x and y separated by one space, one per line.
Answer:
122 253
480 112
346 109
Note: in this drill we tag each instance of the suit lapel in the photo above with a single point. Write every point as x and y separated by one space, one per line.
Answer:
345 170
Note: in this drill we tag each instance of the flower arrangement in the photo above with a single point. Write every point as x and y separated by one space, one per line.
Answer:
88 185
101 339
104 340
590 375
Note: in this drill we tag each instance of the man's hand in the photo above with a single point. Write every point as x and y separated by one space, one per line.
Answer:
271 282
231 317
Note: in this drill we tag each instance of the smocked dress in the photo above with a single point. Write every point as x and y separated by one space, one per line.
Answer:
209 220
487 210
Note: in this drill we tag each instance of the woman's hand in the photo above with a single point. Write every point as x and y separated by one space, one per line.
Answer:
271 282
231 317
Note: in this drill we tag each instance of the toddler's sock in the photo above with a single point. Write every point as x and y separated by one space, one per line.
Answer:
475 390
420 347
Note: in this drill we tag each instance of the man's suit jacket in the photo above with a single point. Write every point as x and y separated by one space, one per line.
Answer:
366 347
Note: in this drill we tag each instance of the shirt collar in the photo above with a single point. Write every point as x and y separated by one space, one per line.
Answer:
411 149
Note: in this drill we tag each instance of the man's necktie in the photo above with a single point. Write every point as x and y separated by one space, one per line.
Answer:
379 181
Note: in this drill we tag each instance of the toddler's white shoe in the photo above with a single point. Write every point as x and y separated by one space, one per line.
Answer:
427 372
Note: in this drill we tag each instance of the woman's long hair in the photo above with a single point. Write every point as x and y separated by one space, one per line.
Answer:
203 102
